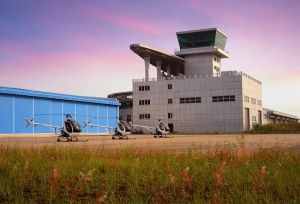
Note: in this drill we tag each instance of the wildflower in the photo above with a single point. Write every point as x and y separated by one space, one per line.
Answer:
102 198
241 153
172 178
220 183
263 172
55 173
186 175
257 179
86 177
166 167
113 165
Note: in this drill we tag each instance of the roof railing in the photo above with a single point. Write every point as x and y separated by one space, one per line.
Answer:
196 76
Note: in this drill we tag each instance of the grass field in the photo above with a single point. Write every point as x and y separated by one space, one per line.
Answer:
64 174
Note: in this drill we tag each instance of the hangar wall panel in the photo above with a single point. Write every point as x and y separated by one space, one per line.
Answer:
81 114
92 113
42 108
23 109
6 114
14 108
57 111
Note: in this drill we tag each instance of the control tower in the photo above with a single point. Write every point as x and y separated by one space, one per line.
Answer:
202 51
200 54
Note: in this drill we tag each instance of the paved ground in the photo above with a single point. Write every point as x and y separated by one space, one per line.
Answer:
178 142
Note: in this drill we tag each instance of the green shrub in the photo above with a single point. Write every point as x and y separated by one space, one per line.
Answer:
292 128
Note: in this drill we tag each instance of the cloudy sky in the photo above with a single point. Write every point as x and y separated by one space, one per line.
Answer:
82 47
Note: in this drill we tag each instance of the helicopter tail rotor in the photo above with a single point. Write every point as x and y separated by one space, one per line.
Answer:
28 121
86 123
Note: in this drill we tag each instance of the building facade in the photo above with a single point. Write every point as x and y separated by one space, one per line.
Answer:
50 108
125 98
190 92
276 117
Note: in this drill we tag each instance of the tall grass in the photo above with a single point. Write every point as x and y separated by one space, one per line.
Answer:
87 175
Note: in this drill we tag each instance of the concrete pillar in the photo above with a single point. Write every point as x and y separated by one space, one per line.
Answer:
147 64
158 67
177 71
169 70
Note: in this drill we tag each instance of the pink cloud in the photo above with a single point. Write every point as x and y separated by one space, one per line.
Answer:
127 21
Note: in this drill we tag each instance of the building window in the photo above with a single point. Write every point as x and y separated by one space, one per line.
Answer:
170 115
246 99
217 69
144 102
169 86
144 88
170 101
144 116
190 100
253 100
223 98
128 118
254 120
259 118
259 102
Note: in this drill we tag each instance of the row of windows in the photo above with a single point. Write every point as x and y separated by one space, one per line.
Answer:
190 100
253 100
144 88
145 116
144 102
259 102
147 88
193 100
223 98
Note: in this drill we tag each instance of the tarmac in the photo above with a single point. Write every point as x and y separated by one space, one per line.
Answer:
290 142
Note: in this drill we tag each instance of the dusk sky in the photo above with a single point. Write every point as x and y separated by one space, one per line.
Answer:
82 47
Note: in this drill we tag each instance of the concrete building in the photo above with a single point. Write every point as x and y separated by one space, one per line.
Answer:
125 98
276 117
190 92
17 104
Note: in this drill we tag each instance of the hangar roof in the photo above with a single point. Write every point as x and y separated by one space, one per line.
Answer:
57 96
166 59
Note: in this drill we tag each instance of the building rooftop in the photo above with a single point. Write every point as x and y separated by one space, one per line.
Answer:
57 96
273 113
173 61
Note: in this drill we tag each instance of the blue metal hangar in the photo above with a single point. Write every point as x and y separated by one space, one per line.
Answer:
18 104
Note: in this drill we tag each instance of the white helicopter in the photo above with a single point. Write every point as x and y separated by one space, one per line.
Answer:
121 130
67 133
161 130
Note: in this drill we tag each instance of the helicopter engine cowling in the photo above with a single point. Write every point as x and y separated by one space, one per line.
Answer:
71 126
128 127
121 128
162 128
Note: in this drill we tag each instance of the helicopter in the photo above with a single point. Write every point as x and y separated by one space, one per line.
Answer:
121 130
161 130
67 133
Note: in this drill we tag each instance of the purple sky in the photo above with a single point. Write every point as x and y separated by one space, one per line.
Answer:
83 47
